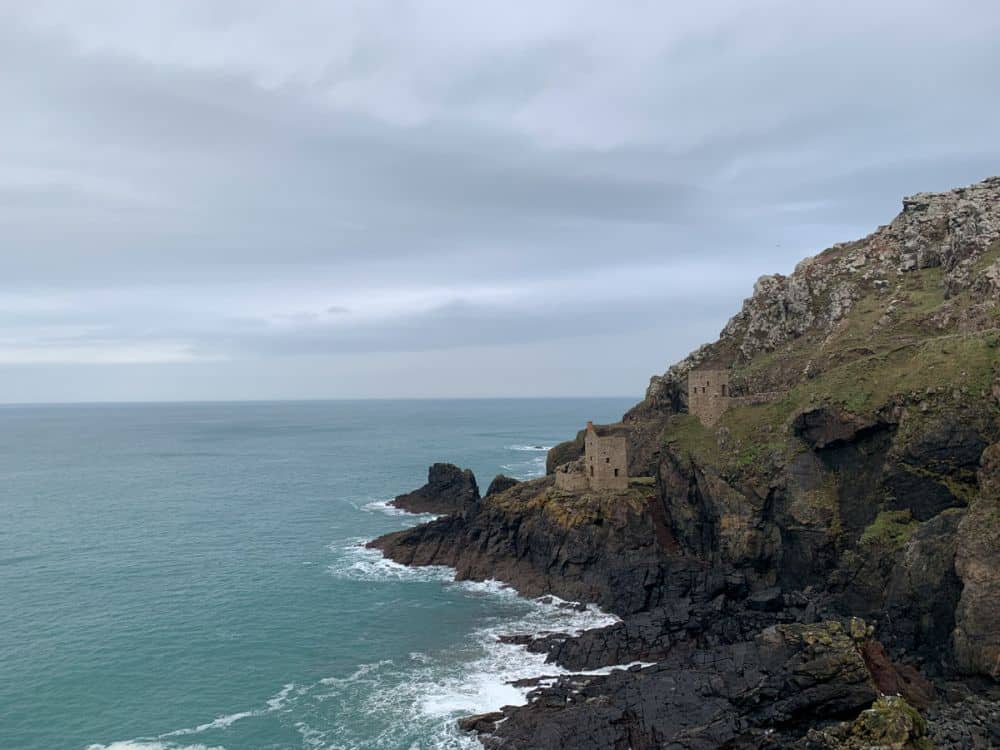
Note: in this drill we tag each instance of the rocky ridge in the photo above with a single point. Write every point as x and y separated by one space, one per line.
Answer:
850 518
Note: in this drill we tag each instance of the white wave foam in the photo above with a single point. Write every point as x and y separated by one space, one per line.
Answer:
429 692
277 701
543 448
360 674
485 683
414 702
273 704
387 508
384 506
411 702
358 563
525 470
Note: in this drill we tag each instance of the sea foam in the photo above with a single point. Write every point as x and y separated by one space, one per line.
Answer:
386 507
357 562
154 745
428 692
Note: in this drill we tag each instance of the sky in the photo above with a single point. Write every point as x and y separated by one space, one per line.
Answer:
260 200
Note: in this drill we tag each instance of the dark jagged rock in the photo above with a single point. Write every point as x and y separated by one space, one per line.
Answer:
449 489
971 722
825 426
896 679
923 591
890 723
564 452
788 674
937 467
480 722
499 484
977 627
706 615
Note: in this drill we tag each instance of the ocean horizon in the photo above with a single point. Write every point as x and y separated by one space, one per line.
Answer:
190 575
361 399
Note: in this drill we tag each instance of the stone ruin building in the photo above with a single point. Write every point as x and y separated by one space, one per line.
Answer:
604 465
708 395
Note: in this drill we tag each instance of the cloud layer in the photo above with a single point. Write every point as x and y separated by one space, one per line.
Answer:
333 194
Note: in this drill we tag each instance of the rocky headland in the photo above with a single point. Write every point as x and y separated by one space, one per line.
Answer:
818 569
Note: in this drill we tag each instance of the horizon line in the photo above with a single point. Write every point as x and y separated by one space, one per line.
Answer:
164 402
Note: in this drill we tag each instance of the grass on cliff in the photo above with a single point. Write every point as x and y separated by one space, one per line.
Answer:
575 509
890 530
963 363
899 344
931 375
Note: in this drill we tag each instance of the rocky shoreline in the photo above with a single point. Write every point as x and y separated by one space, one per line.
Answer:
817 570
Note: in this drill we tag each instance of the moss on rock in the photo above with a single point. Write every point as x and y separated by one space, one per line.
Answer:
890 530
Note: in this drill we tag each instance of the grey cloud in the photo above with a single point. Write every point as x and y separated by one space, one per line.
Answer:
381 149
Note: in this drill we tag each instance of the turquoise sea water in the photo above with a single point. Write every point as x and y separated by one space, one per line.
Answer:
190 575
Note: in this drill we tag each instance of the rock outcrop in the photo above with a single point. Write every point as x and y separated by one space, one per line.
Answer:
890 723
499 484
588 547
449 489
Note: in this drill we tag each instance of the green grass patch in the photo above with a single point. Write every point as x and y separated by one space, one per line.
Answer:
642 481
573 509
688 436
891 529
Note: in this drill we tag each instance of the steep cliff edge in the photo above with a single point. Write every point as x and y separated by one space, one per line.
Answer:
854 474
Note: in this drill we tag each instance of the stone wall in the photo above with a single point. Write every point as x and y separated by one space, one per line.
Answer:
571 477
708 395
756 399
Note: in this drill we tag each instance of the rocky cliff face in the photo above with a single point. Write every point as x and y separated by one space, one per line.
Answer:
865 485
593 547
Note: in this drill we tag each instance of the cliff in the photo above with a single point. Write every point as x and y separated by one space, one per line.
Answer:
863 486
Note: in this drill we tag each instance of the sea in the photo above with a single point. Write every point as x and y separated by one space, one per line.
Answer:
193 576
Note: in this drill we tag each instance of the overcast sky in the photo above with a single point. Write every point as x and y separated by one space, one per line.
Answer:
236 200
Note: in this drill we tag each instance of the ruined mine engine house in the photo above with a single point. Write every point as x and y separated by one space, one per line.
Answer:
604 465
